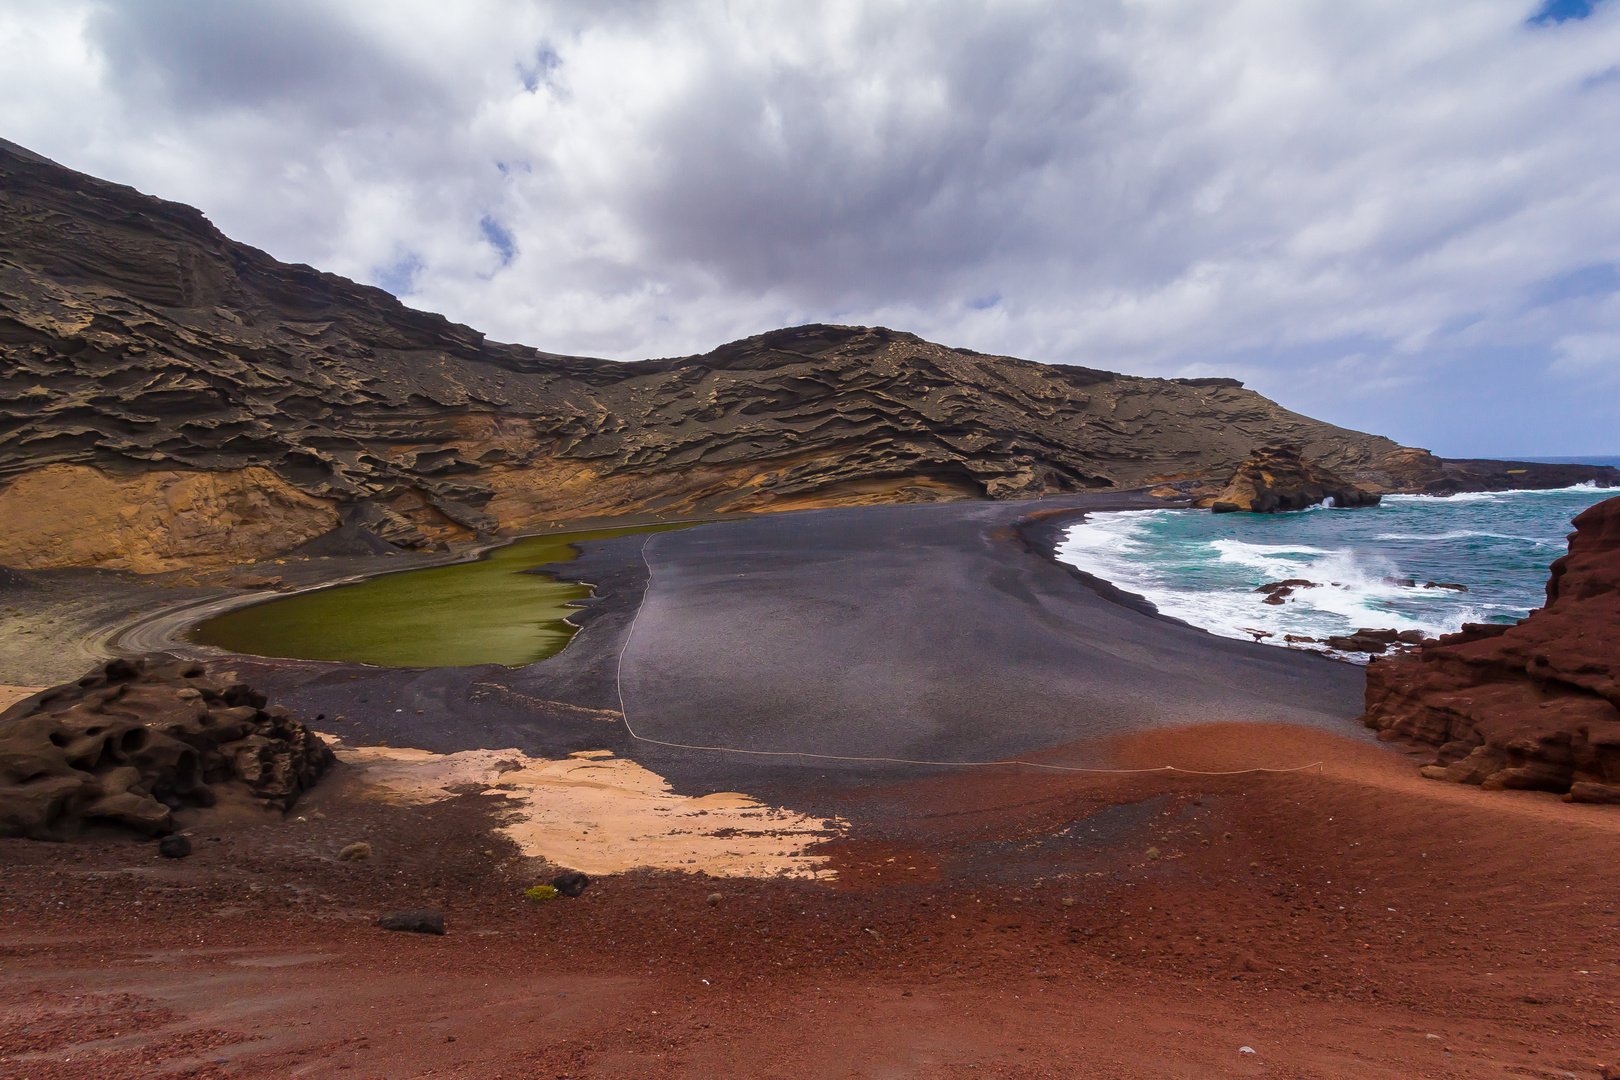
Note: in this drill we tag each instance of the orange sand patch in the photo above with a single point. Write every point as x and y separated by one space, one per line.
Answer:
606 815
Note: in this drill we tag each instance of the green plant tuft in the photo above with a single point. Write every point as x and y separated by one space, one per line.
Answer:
541 893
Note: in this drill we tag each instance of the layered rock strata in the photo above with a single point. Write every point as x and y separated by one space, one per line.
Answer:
135 741
1278 478
1535 705
169 397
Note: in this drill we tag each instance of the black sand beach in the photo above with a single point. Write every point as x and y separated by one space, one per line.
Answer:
931 633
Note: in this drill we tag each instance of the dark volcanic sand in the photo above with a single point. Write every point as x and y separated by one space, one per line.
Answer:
928 632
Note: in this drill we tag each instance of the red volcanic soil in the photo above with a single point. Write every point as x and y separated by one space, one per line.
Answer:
1350 920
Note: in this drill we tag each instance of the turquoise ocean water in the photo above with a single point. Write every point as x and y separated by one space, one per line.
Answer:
1204 567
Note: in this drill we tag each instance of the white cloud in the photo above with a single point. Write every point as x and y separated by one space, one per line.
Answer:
1590 355
1368 209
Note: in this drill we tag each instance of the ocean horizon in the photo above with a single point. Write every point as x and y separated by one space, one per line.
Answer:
1589 459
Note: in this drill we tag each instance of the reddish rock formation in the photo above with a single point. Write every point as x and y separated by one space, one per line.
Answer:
1535 705
1278 478
131 743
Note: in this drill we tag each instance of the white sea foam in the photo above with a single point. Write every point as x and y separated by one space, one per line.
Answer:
1207 569
1351 589
1468 534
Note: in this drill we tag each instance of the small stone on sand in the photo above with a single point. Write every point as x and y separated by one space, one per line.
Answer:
416 921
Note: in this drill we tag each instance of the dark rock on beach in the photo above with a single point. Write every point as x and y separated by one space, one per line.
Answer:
1533 705
1275 479
572 884
132 742
415 921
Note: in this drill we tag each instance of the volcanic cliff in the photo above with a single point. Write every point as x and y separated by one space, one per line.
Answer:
1535 705
170 397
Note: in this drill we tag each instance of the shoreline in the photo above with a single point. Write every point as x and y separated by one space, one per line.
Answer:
745 641
1491 598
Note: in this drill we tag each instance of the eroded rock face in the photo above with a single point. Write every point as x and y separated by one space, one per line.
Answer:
1279 478
129 744
146 358
1535 705
78 515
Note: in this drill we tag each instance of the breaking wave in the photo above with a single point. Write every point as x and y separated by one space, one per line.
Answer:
1413 563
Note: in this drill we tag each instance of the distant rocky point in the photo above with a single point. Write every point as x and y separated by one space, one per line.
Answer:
172 398
1278 478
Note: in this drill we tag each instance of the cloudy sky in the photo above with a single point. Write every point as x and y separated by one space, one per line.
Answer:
1400 217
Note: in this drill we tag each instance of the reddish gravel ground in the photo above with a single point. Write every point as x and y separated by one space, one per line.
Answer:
1352 921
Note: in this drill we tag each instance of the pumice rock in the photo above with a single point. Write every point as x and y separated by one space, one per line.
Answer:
134 741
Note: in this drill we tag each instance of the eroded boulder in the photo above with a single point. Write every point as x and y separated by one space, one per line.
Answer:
134 741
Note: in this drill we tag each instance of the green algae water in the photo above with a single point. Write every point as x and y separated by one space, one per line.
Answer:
484 612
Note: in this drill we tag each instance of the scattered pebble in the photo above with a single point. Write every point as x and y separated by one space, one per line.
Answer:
174 846
359 851
714 899
571 884
1245 1049
415 920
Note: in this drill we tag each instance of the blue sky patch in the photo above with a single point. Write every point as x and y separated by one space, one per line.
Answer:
1557 11
400 278
498 238
1599 279
538 73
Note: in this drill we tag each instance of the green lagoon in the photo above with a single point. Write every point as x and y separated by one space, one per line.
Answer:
484 612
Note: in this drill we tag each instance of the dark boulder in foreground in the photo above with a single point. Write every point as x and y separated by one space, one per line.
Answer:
1534 705
1277 478
415 921
572 884
133 741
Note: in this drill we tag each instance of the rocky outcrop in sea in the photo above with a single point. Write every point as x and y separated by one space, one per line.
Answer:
1279 478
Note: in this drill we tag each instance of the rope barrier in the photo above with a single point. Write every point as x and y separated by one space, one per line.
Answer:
624 713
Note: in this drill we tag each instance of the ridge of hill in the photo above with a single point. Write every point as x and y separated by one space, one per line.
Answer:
170 397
